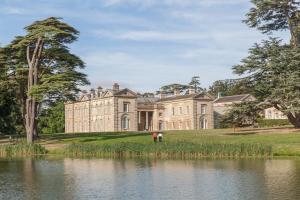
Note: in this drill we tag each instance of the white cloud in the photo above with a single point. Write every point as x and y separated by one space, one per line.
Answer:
13 10
152 35
175 3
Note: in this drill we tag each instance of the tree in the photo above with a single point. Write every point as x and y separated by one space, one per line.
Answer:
229 87
42 59
195 84
52 119
10 120
169 89
273 68
276 15
241 115
274 73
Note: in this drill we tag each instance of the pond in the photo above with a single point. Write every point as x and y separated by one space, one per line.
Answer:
149 179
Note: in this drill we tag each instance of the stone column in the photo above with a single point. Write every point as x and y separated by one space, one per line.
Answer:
139 117
147 118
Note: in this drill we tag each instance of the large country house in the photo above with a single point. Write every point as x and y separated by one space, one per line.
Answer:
123 110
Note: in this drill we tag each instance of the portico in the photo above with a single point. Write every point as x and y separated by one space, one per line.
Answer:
145 120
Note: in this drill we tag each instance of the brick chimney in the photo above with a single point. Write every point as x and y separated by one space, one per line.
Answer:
99 91
176 92
192 90
162 94
116 87
93 93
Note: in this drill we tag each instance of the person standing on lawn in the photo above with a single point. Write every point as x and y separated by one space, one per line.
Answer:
160 136
154 136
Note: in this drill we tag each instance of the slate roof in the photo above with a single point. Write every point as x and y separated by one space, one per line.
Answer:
186 96
235 98
147 100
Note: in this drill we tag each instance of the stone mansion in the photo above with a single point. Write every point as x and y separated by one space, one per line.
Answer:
124 110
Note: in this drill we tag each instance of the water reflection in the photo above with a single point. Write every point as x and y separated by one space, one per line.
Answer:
149 179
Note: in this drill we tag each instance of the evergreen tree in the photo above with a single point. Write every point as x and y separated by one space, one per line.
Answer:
195 84
241 115
52 119
272 69
230 87
43 69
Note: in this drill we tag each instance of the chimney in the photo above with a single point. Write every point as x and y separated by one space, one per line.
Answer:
176 92
99 91
192 90
83 93
116 87
162 94
93 94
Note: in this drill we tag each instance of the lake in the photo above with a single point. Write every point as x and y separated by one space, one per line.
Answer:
149 179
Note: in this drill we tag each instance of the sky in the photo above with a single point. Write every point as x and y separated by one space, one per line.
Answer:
144 44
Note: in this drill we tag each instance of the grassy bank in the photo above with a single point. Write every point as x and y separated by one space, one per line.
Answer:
178 144
21 150
183 149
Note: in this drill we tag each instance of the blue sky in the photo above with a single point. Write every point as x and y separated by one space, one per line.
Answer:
144 44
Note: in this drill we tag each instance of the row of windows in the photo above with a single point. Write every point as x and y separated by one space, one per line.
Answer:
180 110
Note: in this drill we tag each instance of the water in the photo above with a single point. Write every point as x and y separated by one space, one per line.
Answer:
149 179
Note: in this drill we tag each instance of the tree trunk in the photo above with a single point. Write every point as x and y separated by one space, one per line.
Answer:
31 104
294 119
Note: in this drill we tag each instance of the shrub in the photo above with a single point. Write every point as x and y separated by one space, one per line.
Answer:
273 122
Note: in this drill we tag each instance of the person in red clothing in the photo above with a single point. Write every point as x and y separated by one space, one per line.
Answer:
154 136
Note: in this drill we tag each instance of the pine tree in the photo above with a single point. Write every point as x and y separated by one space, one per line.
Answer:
43 69
273 68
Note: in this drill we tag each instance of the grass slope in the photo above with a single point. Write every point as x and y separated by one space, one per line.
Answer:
283 142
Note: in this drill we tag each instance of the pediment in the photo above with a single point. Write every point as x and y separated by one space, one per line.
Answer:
126 93
204 95
108 93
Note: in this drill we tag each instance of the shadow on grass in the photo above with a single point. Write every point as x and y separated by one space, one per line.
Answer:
97 136
242 133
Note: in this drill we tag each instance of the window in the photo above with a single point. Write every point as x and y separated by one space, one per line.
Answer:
180 110
203 109
160 114
126 107
188 110
173 111
125 123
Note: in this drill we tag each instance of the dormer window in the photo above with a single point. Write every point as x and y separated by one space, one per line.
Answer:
126 107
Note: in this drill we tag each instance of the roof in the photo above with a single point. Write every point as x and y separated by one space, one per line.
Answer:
186 96
234 98
147 99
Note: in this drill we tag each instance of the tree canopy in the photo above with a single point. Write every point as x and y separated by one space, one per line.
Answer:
272 69
41 68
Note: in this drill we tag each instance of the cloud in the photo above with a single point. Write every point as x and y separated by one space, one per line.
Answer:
151 35
173 3
13 10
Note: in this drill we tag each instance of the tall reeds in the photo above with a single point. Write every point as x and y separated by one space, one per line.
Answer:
21 150
169 150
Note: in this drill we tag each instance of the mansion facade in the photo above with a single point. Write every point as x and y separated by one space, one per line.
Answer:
124 110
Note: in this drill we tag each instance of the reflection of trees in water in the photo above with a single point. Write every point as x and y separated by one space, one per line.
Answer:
43 179
282 179
152 179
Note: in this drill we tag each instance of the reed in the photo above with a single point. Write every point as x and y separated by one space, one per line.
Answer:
181 149
21 150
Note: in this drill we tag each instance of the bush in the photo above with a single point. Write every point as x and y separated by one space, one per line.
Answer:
273 122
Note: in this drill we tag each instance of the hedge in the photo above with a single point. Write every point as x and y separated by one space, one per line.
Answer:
273 122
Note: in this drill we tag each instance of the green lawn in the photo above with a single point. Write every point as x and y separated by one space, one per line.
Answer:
285 142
